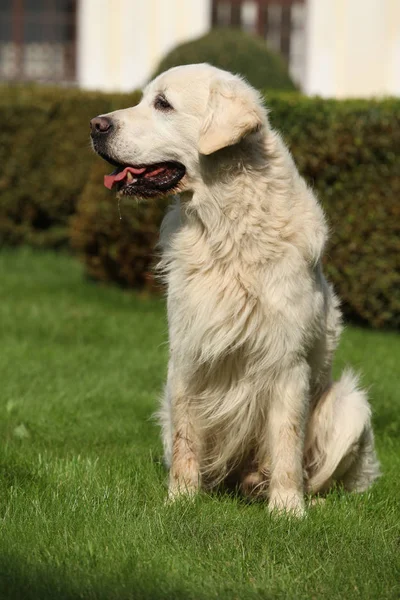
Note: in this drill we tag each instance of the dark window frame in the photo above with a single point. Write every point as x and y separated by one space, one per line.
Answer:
50 17
262 19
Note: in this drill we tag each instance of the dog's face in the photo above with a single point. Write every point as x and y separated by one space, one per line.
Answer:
184 113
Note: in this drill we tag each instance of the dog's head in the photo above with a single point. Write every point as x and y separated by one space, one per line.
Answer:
186 112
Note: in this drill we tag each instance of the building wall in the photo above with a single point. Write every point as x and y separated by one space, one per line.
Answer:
121 41
353 48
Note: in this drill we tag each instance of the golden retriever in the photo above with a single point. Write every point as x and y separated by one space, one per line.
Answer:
253 324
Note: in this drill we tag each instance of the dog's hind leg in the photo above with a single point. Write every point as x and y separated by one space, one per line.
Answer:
255 483
339 443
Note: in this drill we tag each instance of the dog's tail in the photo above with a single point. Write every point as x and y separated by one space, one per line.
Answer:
339 443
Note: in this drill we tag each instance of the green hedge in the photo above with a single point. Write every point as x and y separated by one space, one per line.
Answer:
116 239
45 159
236 51
349 151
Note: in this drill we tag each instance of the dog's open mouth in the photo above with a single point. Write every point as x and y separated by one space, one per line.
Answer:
145 180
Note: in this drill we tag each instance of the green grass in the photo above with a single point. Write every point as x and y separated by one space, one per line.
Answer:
82 486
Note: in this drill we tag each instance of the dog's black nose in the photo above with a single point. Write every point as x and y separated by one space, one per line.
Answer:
100 125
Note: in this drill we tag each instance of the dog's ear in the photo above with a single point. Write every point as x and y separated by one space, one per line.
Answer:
234 110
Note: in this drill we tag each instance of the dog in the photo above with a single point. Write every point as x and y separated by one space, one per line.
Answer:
253 324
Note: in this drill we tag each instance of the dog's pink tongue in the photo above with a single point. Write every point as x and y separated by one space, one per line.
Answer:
110 180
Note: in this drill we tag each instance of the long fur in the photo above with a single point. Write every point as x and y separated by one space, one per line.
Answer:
253 324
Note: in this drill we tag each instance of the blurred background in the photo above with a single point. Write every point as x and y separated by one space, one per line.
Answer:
333 48
83 323
329 71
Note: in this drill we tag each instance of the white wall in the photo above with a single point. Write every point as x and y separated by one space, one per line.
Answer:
121 41
353 48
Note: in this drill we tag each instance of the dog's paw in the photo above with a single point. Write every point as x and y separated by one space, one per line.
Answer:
181 492
287 503
254 484
317 501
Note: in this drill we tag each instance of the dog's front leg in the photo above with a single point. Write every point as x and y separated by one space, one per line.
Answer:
286 430
184 476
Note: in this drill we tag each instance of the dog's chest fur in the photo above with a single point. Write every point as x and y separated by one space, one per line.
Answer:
229 295
244 305
234 326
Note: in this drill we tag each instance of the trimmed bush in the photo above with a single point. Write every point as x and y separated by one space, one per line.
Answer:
349 151
116 239
235 51
45 159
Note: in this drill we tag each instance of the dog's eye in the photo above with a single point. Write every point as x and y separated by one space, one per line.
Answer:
161 103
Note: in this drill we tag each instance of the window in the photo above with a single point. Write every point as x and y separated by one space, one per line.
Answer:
249 10
279 22
37 40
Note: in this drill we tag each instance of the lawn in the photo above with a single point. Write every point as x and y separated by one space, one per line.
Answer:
82 485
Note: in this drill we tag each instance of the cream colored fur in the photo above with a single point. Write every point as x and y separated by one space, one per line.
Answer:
253 325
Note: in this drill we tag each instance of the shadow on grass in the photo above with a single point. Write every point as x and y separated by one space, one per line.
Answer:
386 421
20 580
15 474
